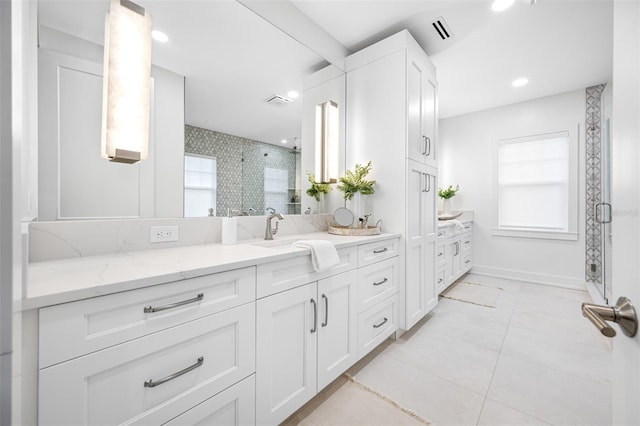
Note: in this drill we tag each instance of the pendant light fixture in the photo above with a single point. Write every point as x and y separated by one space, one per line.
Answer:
126 90
327 132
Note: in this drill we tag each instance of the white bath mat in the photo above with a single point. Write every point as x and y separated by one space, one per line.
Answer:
475 293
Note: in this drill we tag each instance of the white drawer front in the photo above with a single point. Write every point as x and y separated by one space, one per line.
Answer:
444 232
275 277
79 328
376 324
465 242
108 387
467 262
232 407
377 282
375 252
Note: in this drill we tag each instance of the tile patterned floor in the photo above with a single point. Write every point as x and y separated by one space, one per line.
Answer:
532 360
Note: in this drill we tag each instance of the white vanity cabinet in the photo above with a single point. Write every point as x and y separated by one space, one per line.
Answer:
454 254
306 338
392 117
159 351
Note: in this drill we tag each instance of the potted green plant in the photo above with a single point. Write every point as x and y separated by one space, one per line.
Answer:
354 184
446 195
318 191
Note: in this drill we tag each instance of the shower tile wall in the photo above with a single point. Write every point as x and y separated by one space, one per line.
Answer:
593 182
240 167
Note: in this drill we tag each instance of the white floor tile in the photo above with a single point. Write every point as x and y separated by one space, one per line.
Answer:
465 364
496 414
553 396
436 399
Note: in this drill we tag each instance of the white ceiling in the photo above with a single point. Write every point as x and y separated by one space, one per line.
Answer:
233 59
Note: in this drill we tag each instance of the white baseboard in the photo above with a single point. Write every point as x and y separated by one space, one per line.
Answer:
531 277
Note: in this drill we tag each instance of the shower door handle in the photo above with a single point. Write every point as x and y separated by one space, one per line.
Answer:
597 209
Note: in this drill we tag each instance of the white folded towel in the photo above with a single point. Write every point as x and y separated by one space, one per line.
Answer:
323 254
458 225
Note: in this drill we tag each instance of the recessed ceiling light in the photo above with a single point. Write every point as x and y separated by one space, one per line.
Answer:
519 82
293 94
159 36
500 5
283 141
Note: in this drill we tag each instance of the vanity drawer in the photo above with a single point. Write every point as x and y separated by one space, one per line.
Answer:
275 277
375 252
78 328
376 324
444 231
112 386
467 261
233 406
377 282
465 242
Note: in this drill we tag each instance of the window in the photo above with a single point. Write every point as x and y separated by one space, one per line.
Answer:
536 187
200 185
275 189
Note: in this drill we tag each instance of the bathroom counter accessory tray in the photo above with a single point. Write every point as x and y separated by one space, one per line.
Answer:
339 230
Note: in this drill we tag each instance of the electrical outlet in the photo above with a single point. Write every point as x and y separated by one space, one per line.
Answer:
163 234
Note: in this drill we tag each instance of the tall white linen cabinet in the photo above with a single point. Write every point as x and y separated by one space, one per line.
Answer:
392 120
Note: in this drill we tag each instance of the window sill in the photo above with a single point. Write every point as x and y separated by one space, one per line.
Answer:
543 235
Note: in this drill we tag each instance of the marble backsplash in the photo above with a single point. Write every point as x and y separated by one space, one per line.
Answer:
61 240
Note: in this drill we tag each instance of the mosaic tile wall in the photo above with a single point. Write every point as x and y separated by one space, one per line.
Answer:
241 163
593 183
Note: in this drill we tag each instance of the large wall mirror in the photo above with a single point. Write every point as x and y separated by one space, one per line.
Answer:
212 130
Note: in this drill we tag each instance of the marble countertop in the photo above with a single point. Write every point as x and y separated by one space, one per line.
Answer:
60 281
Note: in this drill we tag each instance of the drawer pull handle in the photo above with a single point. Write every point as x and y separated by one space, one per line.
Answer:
381 282
467 242
439 254
381 324
378 251
315 316
326 310
439 280
153 383
150 309
467 261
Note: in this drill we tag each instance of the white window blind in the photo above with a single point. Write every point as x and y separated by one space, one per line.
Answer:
534 183
275 189
200 185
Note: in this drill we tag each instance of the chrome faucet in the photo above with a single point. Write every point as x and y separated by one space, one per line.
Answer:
269 233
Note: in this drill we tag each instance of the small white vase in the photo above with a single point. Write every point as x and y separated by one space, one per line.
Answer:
320 204
446 206
357 208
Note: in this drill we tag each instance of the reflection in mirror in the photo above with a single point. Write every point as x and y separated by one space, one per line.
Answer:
252 177
210 83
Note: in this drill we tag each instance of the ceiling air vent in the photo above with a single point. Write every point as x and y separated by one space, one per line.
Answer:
442 28
277 100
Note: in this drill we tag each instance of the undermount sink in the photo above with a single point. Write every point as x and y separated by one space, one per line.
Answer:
276 243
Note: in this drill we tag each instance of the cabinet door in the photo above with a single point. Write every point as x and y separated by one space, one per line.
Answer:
416 142
337 318
454 268
415 245
429 121
430 291
287 327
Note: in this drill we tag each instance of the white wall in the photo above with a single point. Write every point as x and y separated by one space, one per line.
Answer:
466 158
